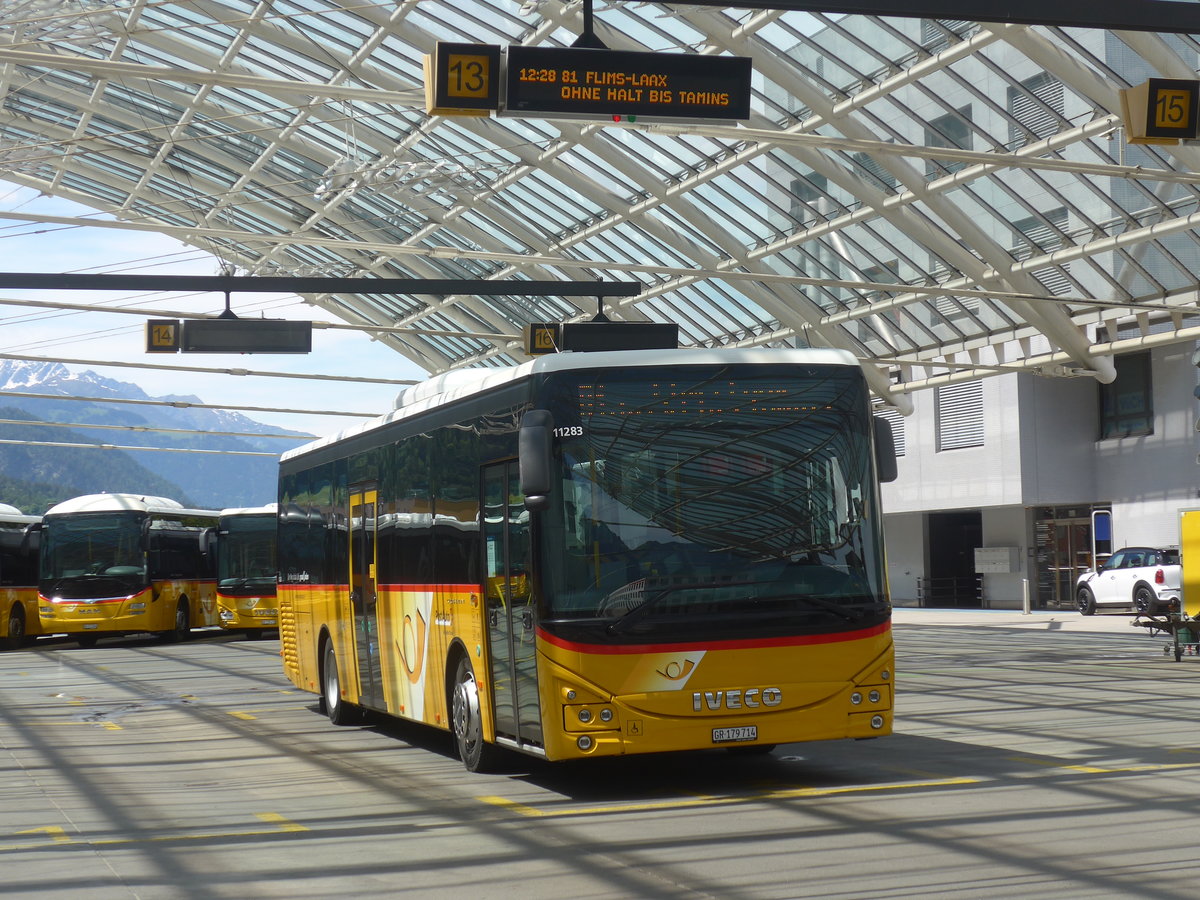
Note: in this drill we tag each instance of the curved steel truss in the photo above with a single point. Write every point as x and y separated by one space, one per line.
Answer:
945 199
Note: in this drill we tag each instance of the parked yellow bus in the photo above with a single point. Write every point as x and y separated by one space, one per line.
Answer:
18 578
114 564
602 553
246 570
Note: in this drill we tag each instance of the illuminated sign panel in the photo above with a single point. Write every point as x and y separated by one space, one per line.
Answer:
162 336
541 338
462 79
585 82
1161 111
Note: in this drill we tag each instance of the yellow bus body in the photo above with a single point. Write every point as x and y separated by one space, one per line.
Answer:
149 610
247 613
27 599
658 699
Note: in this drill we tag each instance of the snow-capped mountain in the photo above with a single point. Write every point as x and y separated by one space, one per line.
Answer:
211 480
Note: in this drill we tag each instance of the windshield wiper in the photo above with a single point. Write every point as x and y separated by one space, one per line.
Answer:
639 611
847 614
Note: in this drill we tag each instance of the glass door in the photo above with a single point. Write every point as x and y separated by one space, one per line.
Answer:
511 629
364 594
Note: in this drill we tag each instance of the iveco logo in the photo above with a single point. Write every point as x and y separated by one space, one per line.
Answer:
751 698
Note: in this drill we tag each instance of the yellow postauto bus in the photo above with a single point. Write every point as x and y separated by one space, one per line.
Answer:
600 553
246 570
18 578
114 564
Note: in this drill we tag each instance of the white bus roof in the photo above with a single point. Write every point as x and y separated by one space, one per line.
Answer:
463 383
96 503
268 509
10 513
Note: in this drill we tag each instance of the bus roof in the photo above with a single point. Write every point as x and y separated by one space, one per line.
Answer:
460 384
268 509
11 514
97 503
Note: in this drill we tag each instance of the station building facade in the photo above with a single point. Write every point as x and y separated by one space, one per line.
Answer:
1029 478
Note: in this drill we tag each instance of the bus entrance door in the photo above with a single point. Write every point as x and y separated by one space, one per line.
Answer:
510 607
364 595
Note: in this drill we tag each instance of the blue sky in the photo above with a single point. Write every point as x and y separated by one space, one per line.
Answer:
55 334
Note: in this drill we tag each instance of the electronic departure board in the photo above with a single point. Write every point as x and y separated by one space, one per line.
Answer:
569 81
228 335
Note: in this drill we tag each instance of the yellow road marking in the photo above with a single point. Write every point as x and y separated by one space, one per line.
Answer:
780 794
284 824
1103 770
61 838
242 715
110 726
57 833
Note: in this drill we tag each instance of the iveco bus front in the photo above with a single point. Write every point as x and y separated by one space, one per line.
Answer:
600 553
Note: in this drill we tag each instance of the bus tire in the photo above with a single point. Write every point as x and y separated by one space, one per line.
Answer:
87 641
183 626
339 711
16 629
466 720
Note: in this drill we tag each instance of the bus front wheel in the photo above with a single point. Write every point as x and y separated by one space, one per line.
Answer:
466 719
339 711
16 629
183 625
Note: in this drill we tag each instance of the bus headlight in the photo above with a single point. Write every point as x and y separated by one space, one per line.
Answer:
856 698
137 607
584 743
876 721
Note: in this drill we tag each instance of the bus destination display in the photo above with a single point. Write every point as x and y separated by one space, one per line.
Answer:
587 82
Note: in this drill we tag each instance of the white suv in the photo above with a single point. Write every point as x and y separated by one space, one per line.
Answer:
1145 578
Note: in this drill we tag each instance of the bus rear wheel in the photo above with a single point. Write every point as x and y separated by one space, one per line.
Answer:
466 719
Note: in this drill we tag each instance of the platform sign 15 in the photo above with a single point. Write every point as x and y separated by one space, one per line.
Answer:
574 81
462 79
1161 111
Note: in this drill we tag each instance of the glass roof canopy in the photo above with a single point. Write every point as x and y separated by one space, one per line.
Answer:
945 199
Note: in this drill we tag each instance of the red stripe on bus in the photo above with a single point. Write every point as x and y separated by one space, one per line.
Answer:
744 644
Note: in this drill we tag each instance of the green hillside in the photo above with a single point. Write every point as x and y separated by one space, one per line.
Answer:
35 477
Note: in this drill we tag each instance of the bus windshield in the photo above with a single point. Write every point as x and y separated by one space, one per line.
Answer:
246 555
92 555
734 501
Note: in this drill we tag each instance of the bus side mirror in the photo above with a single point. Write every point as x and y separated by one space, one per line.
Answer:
208 542
885 450
31 537
535 455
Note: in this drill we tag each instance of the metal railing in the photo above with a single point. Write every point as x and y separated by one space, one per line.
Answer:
955 592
